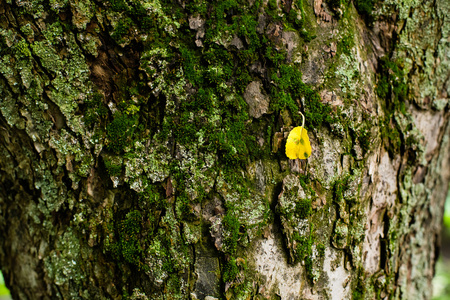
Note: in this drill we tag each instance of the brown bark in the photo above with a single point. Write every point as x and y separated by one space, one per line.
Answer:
142 149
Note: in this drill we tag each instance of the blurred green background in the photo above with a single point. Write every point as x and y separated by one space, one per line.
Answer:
4 292
441 281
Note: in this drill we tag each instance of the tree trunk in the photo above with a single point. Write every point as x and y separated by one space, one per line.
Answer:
143 148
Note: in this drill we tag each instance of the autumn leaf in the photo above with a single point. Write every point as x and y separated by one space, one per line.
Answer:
298 145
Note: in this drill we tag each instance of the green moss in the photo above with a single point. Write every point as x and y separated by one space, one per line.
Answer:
128 246
231 224
152 196
129 240
121 29
120 132
339 186
96 110
247 29
305 26
230 270
391 86
197 7
321 249
304 253
272 6
365 8
358 287
277 57
303 208
297 23
346 44
364 136
307 183
390 134
207 121
230 143
174 287
191 66
154 19
289 86
118 5
112 168
242 80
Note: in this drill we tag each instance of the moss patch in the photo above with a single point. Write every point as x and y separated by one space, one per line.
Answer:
128 246
120 132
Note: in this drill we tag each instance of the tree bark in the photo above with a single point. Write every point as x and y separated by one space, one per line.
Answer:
143 156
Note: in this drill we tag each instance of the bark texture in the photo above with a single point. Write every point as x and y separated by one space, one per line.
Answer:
142 148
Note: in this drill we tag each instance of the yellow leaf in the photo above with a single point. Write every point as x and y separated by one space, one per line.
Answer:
297 145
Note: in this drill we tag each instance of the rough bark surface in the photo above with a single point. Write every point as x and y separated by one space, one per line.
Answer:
142 148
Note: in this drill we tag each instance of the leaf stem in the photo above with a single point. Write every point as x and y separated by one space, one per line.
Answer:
303 123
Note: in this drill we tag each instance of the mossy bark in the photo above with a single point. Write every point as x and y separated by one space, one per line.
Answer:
143 156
